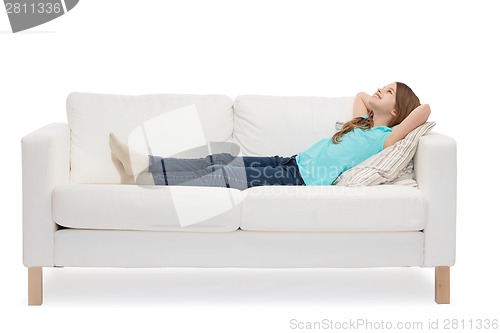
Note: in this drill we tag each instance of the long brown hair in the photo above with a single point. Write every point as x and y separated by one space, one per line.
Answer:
406 102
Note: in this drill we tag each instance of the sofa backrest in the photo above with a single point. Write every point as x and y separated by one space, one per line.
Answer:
170 123
275 125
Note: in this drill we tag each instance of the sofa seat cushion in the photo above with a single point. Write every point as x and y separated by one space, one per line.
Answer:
133 207
334 208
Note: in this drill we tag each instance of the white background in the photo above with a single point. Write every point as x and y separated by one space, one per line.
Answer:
447 51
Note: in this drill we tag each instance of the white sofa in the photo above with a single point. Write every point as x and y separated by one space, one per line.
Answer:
77 214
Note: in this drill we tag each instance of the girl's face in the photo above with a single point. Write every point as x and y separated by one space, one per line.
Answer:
384 99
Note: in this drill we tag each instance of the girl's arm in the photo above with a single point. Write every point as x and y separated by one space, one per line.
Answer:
361 105
416 118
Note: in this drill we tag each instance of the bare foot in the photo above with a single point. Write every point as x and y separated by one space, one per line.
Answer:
124 178
133 162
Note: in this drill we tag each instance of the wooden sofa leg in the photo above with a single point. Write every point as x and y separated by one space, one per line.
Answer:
35 286
442 285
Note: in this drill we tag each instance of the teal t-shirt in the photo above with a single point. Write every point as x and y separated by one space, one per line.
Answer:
324 161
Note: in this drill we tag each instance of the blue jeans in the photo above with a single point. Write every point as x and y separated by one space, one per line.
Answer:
225 170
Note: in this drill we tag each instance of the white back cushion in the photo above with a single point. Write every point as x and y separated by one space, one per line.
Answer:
275 125
92 117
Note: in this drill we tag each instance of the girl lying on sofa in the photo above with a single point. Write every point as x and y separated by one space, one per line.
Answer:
380 120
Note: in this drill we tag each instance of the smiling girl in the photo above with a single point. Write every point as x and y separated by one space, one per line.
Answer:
380 120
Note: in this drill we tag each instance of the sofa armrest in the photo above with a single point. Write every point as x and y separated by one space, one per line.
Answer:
45 165
436 174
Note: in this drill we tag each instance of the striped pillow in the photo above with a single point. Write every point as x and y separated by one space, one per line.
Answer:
405 177
386 166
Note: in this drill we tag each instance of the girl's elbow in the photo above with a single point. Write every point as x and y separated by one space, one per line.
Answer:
426 111
427 108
